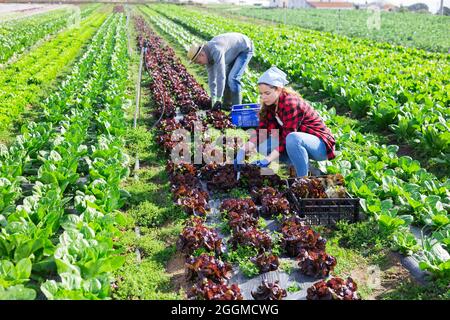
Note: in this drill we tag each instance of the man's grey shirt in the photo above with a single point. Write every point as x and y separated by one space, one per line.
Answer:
221 51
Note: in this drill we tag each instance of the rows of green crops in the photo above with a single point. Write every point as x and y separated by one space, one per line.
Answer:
424 31
23 82
18 35
59 181
60 177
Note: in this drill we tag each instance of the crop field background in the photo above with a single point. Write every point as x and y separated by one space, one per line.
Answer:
92 206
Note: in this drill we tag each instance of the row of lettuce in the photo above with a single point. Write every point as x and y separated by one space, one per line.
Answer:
59 181
393 189
25 81
18 35
402 90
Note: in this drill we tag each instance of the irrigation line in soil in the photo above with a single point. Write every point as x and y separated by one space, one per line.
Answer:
137 109
138 89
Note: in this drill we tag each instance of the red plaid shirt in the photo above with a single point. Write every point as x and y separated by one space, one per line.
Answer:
297 116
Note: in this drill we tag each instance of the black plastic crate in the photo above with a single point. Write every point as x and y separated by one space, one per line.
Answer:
324 211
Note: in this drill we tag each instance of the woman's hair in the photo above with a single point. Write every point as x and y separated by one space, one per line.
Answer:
265 108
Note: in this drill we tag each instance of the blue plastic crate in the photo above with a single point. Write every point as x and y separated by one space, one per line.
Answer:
245 115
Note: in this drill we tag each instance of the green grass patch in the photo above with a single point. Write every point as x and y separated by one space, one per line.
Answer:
438 290
241 256
150 207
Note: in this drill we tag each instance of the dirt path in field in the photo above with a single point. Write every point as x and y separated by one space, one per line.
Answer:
381 280
176 270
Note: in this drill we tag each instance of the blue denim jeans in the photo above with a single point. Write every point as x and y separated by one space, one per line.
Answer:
300 146
237 71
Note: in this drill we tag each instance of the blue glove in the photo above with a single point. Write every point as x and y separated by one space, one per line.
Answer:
239 159
264 163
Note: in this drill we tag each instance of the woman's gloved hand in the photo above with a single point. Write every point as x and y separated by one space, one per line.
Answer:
264 163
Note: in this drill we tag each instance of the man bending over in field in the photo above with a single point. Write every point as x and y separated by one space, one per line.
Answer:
226 56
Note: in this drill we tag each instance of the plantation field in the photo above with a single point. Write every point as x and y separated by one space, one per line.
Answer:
93 205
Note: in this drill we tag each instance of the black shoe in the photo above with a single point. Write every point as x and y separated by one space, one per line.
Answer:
217 106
